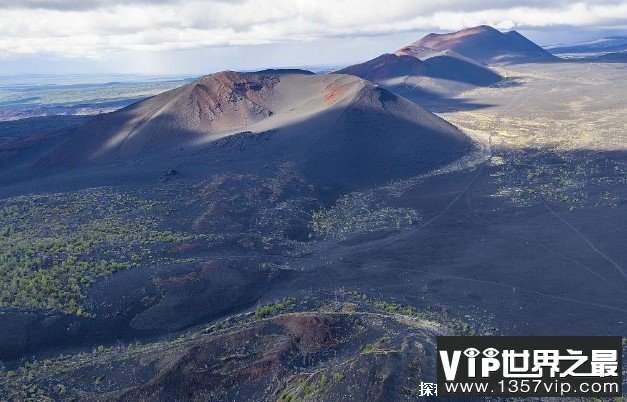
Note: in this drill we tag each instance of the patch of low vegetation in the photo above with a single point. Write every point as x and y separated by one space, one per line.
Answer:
375 347
287 397
54 246
358 213
338 377
269 309
323 381
574 181
455 325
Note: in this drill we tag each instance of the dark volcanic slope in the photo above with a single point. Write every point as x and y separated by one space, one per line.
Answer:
338 128
444 65
38 125
451 66
441 76
483 44
387 66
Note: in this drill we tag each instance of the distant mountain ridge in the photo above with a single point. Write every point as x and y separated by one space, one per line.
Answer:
483 44
612 57
611 44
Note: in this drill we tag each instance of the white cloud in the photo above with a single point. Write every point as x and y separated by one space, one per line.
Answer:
96 28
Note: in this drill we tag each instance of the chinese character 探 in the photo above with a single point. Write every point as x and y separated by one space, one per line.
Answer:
428 389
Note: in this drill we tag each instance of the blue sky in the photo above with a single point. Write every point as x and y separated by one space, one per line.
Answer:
196 37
